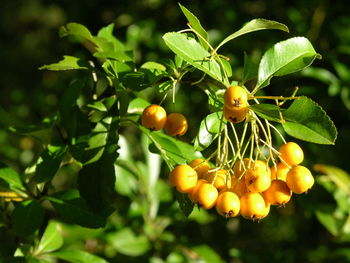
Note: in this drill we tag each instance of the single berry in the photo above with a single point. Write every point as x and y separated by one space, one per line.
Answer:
176 124
299 179
183 177
154 117
228 204
291 153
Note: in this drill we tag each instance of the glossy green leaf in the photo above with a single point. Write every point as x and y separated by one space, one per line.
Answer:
107 33
49 163
11 177
27 217
173 151
196 25
186 205
306 120
285 57
78 256
74 209
127 243
255 25
267 111
193 53
209 130
67 63
137 105
250 69
51 239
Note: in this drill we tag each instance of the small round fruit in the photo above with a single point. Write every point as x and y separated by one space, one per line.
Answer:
253 206
183 177
192 194
257 178
154 117
291 153
299 179
235 97
220 176
278 193
206 195
238 187
279 172
228 204
176 124
235 115
200 166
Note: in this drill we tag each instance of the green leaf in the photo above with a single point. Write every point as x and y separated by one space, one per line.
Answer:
136 106
68 63
50 161
209 130
78 256
193 53
11 177
285 57
338 176
306 120
171 150
27 217
51 239
328 220
74 209
127 243
196 25
254 25
207 254
320 74
185 203
77 30
267 111
107 33
250 69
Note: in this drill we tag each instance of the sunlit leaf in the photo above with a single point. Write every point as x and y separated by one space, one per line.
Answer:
254 25
285 57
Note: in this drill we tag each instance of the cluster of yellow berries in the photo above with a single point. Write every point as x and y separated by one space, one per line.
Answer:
249 188
155 118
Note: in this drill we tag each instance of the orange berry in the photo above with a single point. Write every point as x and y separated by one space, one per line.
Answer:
206 195
183 177
228 204
221 177
235 115
238 186
291 153
258 178
192 194
176 124
154 117
299 179
253 206
278 193
235 97
279 172
200 166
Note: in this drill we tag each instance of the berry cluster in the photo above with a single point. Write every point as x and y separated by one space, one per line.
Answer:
155 118
237 184
249 188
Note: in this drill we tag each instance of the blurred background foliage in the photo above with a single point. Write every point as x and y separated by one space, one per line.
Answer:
148 225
